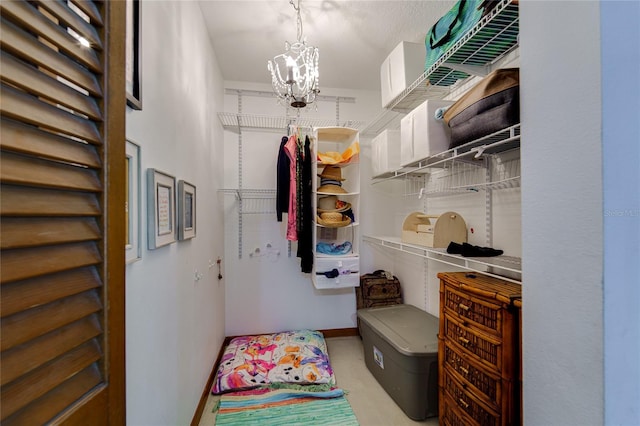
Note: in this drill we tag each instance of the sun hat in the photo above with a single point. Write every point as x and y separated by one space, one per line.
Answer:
331 203
331 188
333 220
332 173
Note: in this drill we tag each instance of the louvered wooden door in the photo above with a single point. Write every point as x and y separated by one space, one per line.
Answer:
62 211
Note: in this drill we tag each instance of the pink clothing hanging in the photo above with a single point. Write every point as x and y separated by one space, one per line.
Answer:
291 148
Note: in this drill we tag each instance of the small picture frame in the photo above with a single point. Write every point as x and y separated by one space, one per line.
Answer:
161 213
133 207
186 210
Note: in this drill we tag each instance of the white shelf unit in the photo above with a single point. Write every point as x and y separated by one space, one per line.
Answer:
337 139
472 153
463 169
471 167
236 121
478 52
254 201
508 268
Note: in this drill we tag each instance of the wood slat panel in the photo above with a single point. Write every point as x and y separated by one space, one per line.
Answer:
35 82
24 45
44 409
22 295
32 19
71 19
23 391
18 200
23 170
26 357
26 108
24 326
40 231
21 264
18 137
91 10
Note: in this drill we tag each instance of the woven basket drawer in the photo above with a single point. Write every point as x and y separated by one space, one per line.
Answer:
468 404
483 347
450 414
478 312
487 387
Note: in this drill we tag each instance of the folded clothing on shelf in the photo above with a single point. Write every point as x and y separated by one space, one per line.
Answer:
336 249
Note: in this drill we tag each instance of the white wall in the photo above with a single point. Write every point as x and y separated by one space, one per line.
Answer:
175 324
269 293
562 245
621 179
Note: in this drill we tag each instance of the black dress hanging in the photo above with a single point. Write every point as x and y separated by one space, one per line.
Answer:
282 183
305 232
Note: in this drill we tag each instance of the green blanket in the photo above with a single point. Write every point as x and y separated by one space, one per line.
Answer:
279 407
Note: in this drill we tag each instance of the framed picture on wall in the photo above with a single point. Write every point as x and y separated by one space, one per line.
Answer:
186 210
161 214
132 206
133 71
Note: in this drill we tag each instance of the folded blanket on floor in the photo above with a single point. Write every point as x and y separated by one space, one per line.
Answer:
266 407
297 356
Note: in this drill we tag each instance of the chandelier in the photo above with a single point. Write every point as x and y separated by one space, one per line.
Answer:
294 73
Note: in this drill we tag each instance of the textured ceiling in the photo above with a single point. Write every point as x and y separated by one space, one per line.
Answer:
353 36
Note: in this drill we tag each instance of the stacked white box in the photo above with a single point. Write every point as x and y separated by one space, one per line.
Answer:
421 135
402 67
385 152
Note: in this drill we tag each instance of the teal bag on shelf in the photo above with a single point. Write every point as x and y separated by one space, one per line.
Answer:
463 16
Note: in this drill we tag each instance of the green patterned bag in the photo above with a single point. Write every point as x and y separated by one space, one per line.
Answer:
451 27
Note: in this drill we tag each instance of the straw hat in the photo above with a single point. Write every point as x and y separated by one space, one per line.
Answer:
333 220
331 173
331 203
331 189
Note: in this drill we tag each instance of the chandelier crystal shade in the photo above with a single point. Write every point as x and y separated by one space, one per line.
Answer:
294 73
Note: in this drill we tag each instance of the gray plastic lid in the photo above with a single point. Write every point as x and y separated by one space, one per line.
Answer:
408 329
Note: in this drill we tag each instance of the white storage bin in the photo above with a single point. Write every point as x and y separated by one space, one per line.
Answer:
385 152
348 272
402 67
421 135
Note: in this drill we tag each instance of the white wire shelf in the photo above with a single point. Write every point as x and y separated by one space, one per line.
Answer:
476 53
495 143
510 266
235 121
254 201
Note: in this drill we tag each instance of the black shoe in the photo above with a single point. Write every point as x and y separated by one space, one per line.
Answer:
476 251
454 248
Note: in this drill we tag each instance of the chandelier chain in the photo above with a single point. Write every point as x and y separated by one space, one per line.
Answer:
299 20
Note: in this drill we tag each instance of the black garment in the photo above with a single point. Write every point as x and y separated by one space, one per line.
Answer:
467 250
305 231
282 183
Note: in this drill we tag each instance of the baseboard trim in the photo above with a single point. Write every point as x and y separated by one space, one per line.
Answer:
207 389
340 332
333 332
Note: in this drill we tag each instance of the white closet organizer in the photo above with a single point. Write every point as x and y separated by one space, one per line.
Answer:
331 271
258 200
460 167
487 164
